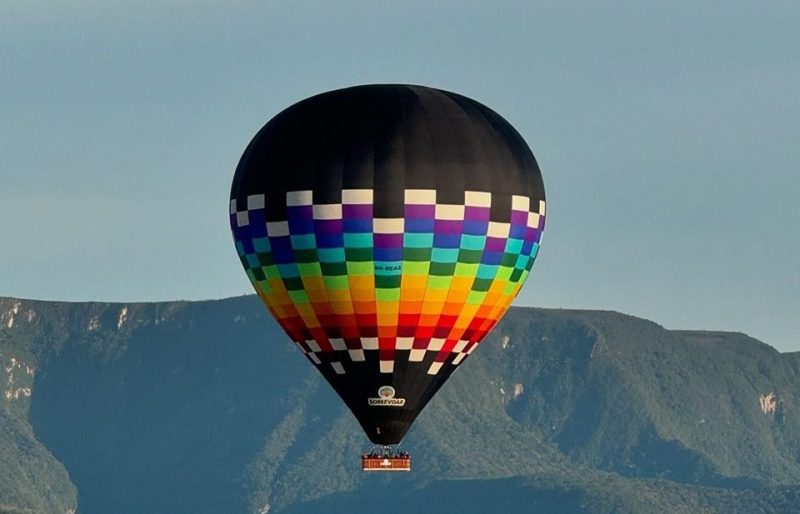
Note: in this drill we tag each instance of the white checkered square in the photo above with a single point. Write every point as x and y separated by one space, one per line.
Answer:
357 355
498 229
434 369
369 343
520 203
416 355
420 196
388 225
277 228
357 196
449 212
299 198
255 202
477 199
534 219
332 211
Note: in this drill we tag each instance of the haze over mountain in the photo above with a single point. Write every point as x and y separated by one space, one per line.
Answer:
204 407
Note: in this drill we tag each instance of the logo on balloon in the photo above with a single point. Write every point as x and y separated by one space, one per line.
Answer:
386 398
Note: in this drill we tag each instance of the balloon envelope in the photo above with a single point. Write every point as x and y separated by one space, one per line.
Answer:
387 228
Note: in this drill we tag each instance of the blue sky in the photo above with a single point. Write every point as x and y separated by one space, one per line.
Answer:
668 134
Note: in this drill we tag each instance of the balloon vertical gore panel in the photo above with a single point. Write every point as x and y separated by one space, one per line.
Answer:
387 229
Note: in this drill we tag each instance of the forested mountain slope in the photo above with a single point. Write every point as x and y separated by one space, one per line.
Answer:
204 407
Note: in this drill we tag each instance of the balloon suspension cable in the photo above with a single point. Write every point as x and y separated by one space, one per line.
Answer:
385 451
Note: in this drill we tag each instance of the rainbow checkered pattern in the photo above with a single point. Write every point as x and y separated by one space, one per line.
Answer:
342 282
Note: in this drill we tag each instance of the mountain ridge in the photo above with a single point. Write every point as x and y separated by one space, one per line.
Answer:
210 392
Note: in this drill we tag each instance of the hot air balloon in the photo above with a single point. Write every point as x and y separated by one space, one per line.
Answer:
387 228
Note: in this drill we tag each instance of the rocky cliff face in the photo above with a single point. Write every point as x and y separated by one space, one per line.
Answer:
31 478
204 407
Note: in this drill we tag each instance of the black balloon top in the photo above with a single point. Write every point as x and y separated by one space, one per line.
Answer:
388 138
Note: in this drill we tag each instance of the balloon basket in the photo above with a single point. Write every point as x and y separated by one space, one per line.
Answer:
384 459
